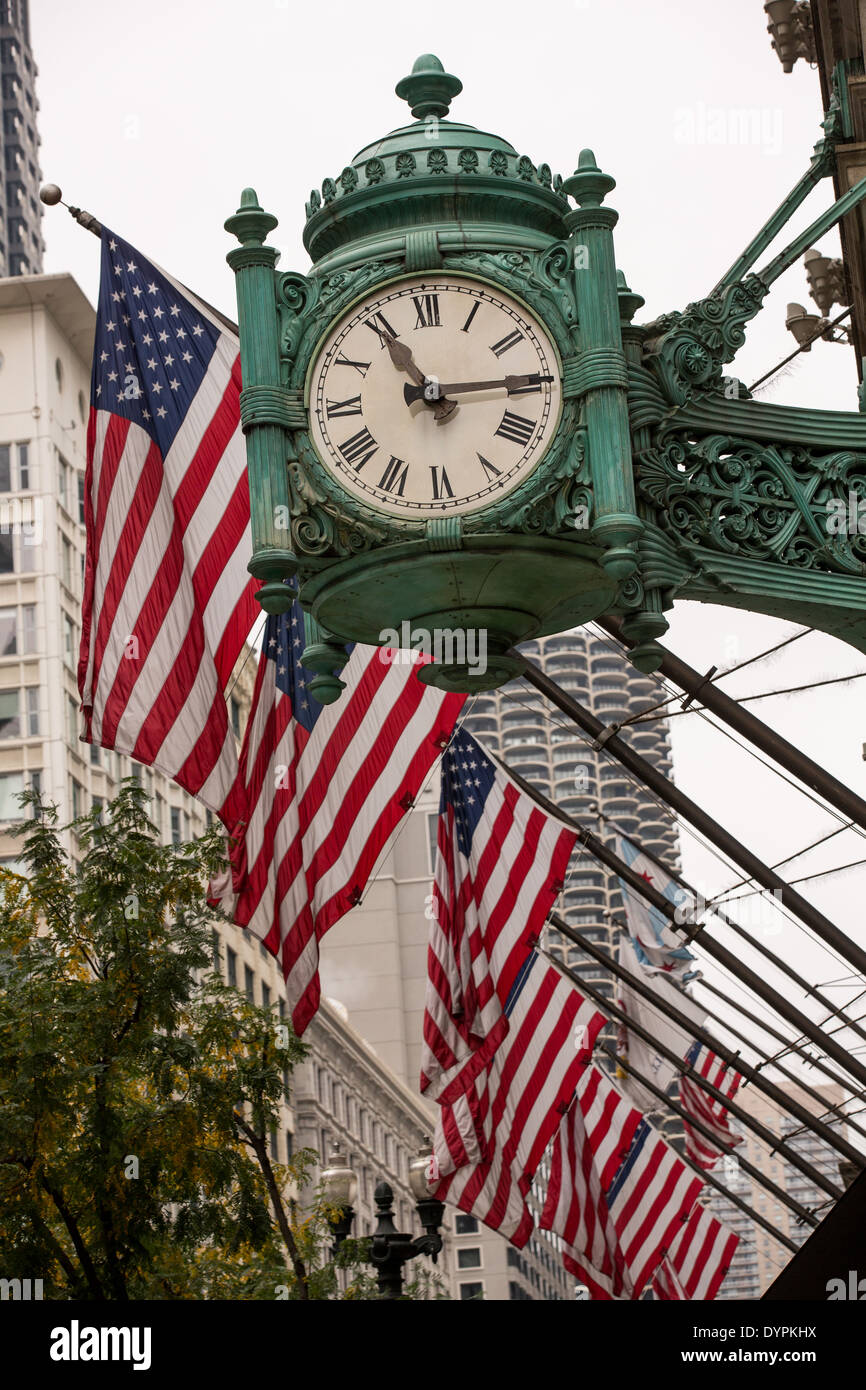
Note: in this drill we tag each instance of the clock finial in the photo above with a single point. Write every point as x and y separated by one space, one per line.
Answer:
429 89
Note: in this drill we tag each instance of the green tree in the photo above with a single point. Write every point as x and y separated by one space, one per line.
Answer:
137 1091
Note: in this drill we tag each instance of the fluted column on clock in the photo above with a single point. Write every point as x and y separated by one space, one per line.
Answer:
265 411
643 623
599 373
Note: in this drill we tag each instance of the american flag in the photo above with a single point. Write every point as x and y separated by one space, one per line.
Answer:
643 1191
644 1056
698 1260
506 1039
325 786
702 1106
168 601
659 948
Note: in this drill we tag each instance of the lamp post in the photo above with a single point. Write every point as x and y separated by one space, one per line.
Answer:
390 1249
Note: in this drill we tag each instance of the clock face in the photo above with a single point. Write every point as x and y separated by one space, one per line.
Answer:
434 396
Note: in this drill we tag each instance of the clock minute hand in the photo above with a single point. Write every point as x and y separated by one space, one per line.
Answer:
456 388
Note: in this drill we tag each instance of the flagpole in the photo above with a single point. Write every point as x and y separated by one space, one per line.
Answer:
51 195
761 735
803 1024
803 1213
705 1174
767 1088
669 793
774 1061
740 931
789 1046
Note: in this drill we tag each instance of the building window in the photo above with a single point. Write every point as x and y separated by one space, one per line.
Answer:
466 1225
71 720
32 710
24 467
11 787
5 468
63 482
66 562
231 967
215 949
8 632
77 799
10 721
290 1146
69 643
274 1151
468 1291
175 826
470 1258
249 984
266 996
28 627
94 754
7 561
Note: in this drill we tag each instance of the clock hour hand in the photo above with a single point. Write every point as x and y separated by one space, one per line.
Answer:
401 356
512 384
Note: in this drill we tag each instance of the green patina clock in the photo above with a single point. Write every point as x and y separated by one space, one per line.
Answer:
434 396
453 421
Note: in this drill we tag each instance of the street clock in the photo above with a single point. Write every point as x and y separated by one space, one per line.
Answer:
454 422
434 396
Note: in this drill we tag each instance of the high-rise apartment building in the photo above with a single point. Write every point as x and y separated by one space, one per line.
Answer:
21 244
554 755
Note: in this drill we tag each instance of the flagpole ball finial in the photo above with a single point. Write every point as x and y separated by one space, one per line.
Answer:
51 194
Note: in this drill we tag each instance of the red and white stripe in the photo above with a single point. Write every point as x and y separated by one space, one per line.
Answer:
698 1261
487 908
168 601
711 1112
493 1135
322 805
506 1038
645 1188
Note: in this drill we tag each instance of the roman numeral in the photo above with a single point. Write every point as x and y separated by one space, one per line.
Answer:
505 344
343 361
472 312
382 328
427 309
390 482
337 409
441 487
357 450
516 428
489 468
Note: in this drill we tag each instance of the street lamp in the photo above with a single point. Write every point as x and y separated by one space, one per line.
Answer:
390 1249
790 27
340 1187
826 279
807 327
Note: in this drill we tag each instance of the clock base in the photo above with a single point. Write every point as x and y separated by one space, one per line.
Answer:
463 608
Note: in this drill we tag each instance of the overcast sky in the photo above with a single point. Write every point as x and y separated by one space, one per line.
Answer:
155 117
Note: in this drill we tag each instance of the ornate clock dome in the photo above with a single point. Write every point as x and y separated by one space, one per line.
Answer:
434 172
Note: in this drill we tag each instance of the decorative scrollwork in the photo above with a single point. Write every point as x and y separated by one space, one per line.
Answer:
761 501
688 350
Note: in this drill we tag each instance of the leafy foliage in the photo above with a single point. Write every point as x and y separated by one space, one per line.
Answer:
137 1091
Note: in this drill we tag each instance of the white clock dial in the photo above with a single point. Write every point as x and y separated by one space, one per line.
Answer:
426 457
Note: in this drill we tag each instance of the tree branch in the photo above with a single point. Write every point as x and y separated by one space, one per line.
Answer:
259 1148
